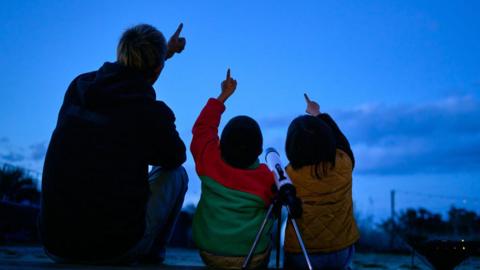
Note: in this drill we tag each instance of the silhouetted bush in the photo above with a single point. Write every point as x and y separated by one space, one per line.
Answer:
17 186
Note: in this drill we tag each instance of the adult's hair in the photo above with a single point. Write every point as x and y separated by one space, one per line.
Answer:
310 141
241 142
142 47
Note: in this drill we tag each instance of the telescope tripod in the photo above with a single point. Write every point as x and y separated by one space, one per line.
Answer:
276 206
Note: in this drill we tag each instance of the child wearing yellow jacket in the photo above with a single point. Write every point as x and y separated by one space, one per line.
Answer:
321 165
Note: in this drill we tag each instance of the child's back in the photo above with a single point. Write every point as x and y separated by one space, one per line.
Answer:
321 165
236 189
327 222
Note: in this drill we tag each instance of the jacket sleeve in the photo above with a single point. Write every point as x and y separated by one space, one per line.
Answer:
205 140
165 147
341 140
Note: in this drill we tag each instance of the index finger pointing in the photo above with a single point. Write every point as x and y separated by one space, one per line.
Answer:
306 97
228 74
179 29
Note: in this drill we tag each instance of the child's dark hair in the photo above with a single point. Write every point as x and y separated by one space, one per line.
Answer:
241 142
310 141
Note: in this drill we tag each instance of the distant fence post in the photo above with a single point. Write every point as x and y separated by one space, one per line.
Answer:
392 218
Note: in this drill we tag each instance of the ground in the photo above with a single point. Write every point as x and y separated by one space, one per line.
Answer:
33 258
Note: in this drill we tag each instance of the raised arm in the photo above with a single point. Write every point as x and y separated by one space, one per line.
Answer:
205 130
342 143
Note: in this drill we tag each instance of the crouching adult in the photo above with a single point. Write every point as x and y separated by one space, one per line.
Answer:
100 204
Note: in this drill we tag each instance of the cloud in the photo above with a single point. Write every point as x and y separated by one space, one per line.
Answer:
38 151
13 156
438 136
435 136
446 117
30 157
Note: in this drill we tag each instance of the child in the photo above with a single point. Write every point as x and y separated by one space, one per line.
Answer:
236 188
321 165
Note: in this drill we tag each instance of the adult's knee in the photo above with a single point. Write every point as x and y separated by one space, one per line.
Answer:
176 179
181 176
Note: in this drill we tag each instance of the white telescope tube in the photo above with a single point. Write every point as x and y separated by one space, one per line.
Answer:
273 161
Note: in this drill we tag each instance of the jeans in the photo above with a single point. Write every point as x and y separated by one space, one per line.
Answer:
168 190
340 260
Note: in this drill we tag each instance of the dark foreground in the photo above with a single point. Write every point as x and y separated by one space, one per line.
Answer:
33 258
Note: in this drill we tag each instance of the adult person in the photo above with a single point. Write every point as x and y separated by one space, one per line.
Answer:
100 204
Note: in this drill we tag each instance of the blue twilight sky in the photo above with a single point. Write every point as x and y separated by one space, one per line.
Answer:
402 79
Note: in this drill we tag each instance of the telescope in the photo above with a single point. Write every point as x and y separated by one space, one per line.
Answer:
286 189
286 197
275 164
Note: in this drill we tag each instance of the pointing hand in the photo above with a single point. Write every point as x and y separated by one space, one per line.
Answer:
312 107
176 44
228 87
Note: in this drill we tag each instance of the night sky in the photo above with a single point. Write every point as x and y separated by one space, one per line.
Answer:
402 79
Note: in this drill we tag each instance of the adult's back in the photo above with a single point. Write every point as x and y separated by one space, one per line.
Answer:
95 179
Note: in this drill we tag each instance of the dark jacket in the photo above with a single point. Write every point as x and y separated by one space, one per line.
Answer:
95 177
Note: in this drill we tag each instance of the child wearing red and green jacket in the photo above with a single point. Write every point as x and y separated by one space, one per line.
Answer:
236 188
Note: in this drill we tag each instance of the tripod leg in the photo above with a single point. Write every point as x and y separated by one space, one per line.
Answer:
247 260
300 240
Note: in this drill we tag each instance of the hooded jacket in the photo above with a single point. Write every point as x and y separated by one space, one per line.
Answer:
327 223
95 177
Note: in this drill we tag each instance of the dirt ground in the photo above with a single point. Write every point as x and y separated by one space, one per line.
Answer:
33 258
